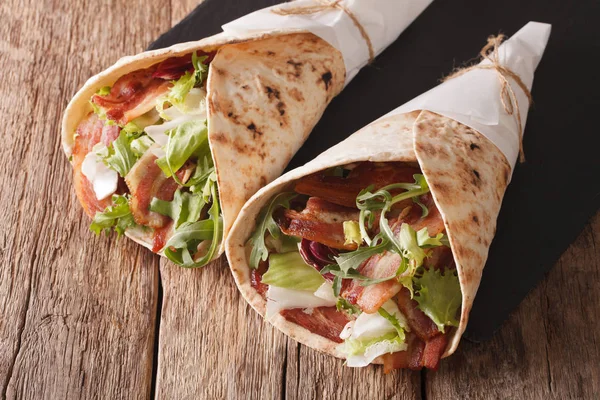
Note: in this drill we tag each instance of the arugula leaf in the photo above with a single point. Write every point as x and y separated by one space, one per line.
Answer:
439 297
288 270
181 247
185 207
117 216
182 143
352 233
353 259
267 223
424 209
118 155
382 199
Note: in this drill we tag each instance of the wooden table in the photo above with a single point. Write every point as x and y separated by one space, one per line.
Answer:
95 317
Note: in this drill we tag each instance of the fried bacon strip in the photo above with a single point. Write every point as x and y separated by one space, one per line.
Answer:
324 321
89 133
145 181
321 221
370 298
343 191
132 95
173 68
419 354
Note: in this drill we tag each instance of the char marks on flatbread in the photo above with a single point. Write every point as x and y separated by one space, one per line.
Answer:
264 98
468 176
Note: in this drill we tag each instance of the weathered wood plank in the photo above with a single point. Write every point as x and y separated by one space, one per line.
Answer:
212 345
77 313
313 375
548 349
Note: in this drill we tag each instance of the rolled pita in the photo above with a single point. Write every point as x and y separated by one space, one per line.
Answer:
167 145
373 252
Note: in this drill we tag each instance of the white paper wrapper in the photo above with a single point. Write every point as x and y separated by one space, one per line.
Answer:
384 21
467 98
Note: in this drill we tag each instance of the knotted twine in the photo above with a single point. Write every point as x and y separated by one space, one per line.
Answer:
507 95
325 5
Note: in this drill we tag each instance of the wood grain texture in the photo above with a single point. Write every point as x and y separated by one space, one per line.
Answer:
77 313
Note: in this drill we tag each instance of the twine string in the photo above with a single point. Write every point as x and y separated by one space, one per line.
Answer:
324 5
507 95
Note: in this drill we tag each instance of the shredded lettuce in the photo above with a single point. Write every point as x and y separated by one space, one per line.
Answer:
409 247
117 216
360 353
352 233
439 297
288 270
188 81
183 142
265 222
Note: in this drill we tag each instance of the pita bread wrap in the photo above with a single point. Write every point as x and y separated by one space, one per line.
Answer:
265 90
467 175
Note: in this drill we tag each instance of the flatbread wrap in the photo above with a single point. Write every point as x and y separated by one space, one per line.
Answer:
373 251
167 146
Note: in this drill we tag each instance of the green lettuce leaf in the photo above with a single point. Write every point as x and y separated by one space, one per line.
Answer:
183 141
185 207
425 241
267 223
344 305
119 155
394 321
288 270
353 259
117 216
140 145
439 297
410 247
189 80
183 245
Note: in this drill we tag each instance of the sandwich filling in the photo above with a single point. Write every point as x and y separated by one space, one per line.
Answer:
359 255
142 161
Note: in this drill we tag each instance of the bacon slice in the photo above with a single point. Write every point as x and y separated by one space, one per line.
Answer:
145 181
434 348
132 95
370 298
256 278
343 191
321 221
411 358
419 323
159 237
324 321
418 354
173 68
88 134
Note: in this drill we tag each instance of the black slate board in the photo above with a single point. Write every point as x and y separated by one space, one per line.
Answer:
553 194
